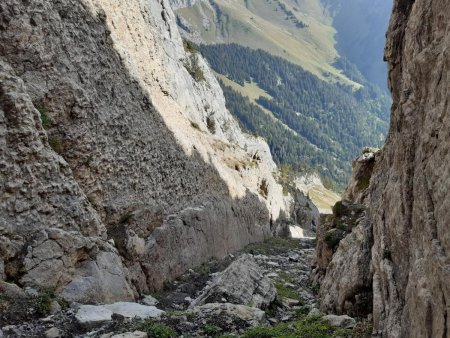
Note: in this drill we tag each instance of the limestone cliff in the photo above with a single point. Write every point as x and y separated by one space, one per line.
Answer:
408 198
410 188
120 165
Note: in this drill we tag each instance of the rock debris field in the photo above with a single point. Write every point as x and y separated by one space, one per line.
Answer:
262 291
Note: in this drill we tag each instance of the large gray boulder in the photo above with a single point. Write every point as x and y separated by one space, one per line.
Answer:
241 283
94 315
343 321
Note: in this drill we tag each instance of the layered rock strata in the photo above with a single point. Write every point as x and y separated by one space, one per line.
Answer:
120 165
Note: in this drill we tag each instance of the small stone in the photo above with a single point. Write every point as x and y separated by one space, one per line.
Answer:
54 332
289 285
31 292
135 334
118 318
48 319
107 335
149 300
272 275
344 321
273 320
131 310
288 302
314 312
286 318
55 307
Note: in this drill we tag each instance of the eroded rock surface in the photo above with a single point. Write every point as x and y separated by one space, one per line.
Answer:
119 169
408 196
241 283
410 187
362 169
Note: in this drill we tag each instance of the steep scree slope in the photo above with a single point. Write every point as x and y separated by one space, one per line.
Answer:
118 169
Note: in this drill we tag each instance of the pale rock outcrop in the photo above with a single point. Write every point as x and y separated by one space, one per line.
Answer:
241 283
304 213
92 315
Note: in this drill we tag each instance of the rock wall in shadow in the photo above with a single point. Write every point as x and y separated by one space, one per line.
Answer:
99 200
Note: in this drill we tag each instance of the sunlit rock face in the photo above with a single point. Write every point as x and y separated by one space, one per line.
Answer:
121 167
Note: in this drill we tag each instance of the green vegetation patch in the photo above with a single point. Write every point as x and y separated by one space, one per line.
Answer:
286 292
45 119
193 67
311 327
189 46
272 246
156 330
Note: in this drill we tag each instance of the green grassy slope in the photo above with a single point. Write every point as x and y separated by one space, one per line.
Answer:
299 31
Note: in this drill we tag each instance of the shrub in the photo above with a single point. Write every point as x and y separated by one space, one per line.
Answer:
211 124
189 46
284 291
56 144
311 327
195 125
332 239
45 119
339 209
211 330
44 302
156 330
194 69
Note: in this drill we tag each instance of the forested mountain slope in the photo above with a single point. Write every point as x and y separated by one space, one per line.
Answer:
308 122
299 73
361 28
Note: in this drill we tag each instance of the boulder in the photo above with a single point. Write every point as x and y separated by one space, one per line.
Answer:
131 310
250 315
241 283
93 315
344 321
149 300
135 334
53 332
12 291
